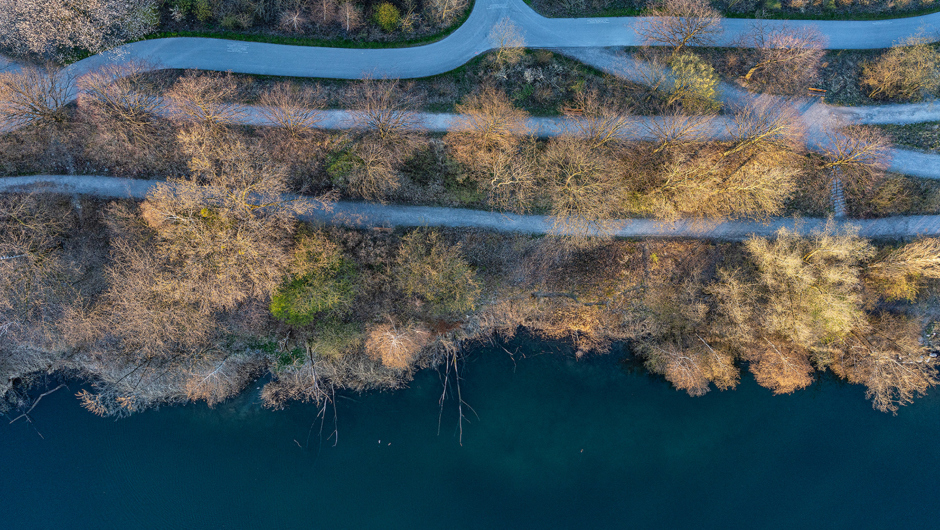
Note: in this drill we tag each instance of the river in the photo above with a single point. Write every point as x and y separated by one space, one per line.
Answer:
553 443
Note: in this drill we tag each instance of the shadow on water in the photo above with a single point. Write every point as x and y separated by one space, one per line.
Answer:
555 443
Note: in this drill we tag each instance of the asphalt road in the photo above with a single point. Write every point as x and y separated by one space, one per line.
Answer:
469 40
580 38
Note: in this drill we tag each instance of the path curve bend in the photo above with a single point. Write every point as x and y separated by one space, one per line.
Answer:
467 41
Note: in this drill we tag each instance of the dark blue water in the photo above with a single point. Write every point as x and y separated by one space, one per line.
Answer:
558 444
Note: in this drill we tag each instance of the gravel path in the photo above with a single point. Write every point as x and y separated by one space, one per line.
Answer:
365 215
819 118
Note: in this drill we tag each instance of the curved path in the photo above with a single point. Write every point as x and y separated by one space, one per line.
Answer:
819 118
581 38
469 40
365 215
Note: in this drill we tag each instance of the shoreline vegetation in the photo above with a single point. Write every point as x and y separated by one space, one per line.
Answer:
211 282
153 311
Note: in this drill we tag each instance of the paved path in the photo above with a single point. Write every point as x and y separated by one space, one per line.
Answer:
469 40
581 38
819 118
365 215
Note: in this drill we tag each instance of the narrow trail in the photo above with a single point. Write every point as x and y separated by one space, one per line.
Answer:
368 215
820 120
583 39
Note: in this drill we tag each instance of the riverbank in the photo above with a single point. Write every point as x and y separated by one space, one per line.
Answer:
113 291
554 442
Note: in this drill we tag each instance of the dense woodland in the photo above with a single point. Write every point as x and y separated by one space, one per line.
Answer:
36 28
213 282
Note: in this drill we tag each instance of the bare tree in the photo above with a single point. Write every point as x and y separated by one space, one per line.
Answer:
766 122
901 272
385 109
292 20
801 298
141 309
488 124
908 71
677 128
213 380
857 146
599 119
509 42
33 95
701 182
350 15
679 23
676 344
857 155
692 368
446 10
31 265
512 178
113 92
784 58
886 356
325 11
373 175
206 98
780 367
490 140
291 108
583 186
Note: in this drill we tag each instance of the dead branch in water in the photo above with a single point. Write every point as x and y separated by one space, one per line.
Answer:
452 362
26 414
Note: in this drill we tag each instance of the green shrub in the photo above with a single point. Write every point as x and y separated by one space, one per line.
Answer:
339 166
322 281
335 339
286 359
437 272
201 9
694 82
387 16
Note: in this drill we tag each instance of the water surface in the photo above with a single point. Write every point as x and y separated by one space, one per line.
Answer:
558 444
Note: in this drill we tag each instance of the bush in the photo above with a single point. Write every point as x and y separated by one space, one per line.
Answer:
339 165
198 8
694 82
911 71
437 272
387 16
322 281
335 339
286 359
